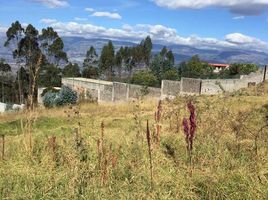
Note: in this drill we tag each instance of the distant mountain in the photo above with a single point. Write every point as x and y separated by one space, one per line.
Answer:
76 48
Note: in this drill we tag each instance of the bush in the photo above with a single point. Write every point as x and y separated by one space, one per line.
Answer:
49 89
145 78
64 97
49 99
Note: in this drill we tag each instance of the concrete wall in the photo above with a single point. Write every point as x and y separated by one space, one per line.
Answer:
170 89
115 91
14 107
109 91
209 86
190 86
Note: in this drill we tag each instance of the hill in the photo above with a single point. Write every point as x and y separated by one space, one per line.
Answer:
76 48
92 151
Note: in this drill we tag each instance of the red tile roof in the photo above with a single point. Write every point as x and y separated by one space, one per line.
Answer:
219 65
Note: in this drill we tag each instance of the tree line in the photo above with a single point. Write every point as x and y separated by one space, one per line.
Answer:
42 62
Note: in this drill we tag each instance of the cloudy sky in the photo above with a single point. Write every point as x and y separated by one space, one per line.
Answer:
200 23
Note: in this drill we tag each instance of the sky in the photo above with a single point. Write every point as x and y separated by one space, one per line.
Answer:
212 24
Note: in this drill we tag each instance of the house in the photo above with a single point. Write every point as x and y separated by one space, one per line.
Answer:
218 66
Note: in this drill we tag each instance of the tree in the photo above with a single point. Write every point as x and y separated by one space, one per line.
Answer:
146 78
29 50
52 46
34 51
91 57
4 69
71 70
107 60
14 35
163 52
195 68
50 76
242 69
171 74
159 66
22 82
147 50
90 72
170 57
119 59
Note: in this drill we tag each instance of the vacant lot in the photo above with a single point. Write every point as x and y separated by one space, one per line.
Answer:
92 151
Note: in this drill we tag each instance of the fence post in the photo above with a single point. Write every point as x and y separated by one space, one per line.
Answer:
264 75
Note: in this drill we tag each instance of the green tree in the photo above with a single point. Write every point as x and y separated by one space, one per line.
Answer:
195 68
145 78
107 60
242 68
52 46
171 74
119 60
91 57
50 76
71 70
170 57
4 69
90 72
147 46
14 35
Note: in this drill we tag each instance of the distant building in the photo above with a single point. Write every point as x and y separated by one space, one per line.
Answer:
218 66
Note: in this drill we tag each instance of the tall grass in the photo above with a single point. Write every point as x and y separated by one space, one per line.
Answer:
76 156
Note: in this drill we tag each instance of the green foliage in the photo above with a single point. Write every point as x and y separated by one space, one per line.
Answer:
49 89
50 76
65 96
196 68
242 68
171 74
52 46
91 58
49 99
71 70
90 72
107 60
145 77
162 65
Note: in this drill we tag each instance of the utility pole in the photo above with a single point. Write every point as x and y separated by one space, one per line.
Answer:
265 71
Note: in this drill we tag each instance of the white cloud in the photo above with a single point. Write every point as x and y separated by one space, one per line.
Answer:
246 7
3 29
160 34
239 17
247 42
107 14
48 21
52 3
80 19
89 9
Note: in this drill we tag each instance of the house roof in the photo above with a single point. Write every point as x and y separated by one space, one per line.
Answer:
219 65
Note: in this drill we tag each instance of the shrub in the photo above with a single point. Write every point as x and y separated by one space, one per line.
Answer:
64 97
144 77
49 89
49 99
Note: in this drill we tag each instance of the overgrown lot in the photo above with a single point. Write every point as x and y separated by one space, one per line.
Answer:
92 151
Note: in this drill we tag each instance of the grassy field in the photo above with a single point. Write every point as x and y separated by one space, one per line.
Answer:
92 151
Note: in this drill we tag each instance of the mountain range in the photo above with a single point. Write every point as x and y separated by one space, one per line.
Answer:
76 48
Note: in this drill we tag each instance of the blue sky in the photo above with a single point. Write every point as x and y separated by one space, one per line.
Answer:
200 23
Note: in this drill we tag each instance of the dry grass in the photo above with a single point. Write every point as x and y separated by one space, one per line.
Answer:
62 165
